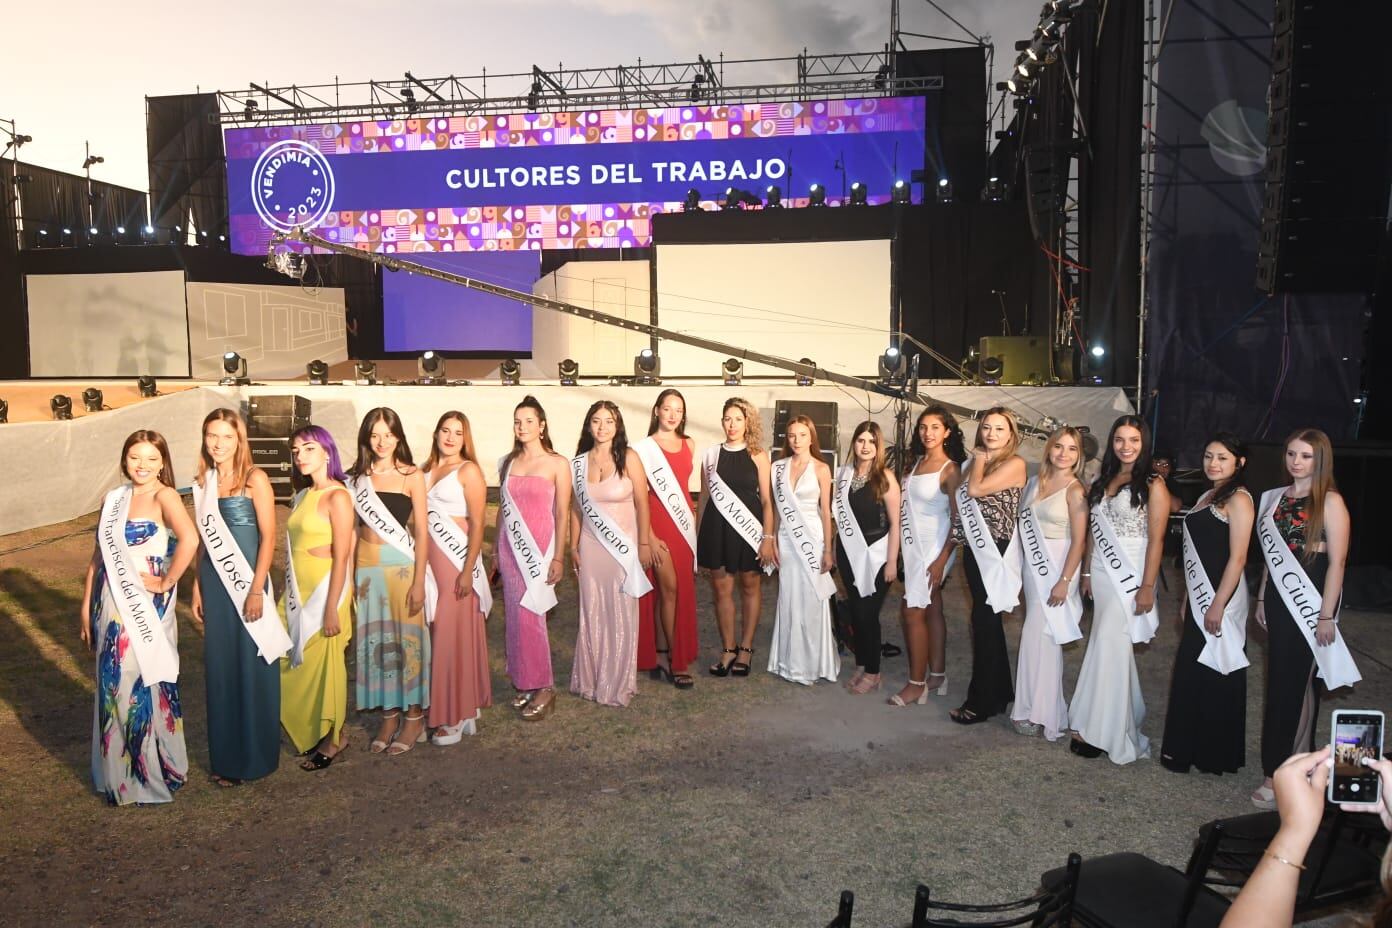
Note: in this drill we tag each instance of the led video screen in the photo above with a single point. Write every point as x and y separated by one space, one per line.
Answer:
590 178
421 313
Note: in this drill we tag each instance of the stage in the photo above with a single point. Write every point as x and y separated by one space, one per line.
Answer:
69 465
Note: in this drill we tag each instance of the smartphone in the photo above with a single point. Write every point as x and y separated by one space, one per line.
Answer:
1356 734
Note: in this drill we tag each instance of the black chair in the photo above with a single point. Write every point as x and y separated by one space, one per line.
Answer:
1133 891
1045 909
843 911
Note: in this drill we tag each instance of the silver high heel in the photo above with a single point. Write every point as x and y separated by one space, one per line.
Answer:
941 689
896 700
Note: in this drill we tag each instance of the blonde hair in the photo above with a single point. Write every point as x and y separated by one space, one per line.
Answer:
241 460
753 425
1009 450
1046 467
1321 483
466 449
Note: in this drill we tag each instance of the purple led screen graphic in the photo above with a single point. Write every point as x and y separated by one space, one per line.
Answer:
420 313
583 179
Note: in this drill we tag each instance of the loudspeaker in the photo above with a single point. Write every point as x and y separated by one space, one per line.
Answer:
276 416
1023 359
823 415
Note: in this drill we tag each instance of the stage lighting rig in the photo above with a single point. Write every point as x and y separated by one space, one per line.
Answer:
61 407
234 370
92 399
430 369
994 191
732 372
510 373
569 372
773 197
805 380
892 367
647 368
859 194
692 204
318 372
944 191
991 369
816 195
901 192
734 199
147 386
365 373
249 111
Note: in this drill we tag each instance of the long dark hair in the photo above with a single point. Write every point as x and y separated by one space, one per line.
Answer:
1238 449
877 479
151 437
619 447
955 444
661 398
401 456
528 402
1111 464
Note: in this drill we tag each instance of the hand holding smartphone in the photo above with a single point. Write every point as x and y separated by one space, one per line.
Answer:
1356 735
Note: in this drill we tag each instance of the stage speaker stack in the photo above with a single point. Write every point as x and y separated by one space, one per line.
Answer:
823 416
1329 147
271 420
1015 359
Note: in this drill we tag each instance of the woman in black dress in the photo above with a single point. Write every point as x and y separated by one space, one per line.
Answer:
742 467
1205 725
872 494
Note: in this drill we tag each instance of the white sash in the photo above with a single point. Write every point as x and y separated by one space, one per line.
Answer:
376 516
606 531
1117 566
155 651
236 573
1222 652
452 540
1303 600
540 596
918 592
305 618
866 560
749 525
1000 573
1060 621
796 529
668 489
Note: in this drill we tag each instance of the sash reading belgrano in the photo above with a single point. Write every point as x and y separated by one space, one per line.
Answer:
540 596
1117 566
1303 600
305 618
454 542
749 526
799 532
1060 621
1222 652
155 653
866 560
669 491
606 531
237 574
918 592
1000 573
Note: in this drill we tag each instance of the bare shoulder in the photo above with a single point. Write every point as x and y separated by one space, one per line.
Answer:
258 479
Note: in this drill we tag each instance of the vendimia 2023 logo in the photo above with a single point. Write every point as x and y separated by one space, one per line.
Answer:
292 185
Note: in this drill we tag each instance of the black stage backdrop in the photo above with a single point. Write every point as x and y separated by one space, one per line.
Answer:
1221 355
188 172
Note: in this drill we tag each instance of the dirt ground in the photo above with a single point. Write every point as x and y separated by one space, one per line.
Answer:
741 802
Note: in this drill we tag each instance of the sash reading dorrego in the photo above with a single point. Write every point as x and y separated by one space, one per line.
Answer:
155 652
237 574
606 531
1060 621
791 521
540 596
668 489
1000 573
1117 566
1222 652
866 560
1302 598
747 524
918 593
454 542
305 617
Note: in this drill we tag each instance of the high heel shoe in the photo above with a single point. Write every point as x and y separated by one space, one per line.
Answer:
720 668
540 707
868 683
397 748
739 668
940 689
452 734
521 699
897 700
661 671
378 745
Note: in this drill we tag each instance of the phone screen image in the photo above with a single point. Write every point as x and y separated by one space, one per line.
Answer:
1356 737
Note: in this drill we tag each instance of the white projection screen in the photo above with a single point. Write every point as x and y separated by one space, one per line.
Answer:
107 325
278 329
827 301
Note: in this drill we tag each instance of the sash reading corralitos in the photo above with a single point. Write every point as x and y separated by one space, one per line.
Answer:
155 653
798 531
1061 621
606 531
305 618
669 491
866 560
540 596
237 574
1302 598
1000 573
747 524
453 541
1222 652
1117 567
918 593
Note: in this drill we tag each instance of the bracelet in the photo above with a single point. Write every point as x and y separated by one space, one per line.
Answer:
1261 599
1288 863
765 537
1087 573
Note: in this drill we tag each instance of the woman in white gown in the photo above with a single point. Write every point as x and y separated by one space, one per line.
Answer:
803 647
1132 507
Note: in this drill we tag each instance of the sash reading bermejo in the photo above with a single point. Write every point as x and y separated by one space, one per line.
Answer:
865 559
795 527
1061 622
154 652
606 531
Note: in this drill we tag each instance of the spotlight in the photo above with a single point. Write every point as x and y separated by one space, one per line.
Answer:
816 195
61 407
646 368
773 197
805 380
234 370
902 192
1024 67
92 231
892 367
365 373
92 399
430 368
693 201
249 111
318 372
859 194
4 411
1098 352
147 234
734 199
944 193
732 371
147 387
994 191
569 372
120 230
1017 84
510 373
991 369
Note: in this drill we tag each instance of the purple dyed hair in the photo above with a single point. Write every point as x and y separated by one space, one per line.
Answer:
319 435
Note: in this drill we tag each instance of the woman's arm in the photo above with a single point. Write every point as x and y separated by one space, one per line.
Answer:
1077 542
1011 473
560 476
1240 512
263 502
1336 538
762 466
420 534
85 612
177 518
342 517
476 498
824 509
891 501
1157 519
704 497
633 465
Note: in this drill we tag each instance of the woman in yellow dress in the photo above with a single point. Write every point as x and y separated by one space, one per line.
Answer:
314 676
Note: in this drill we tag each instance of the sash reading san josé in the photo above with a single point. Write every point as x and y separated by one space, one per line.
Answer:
1222 652
540 596
794 525
865 559
1117 568
150 638
606 531
236 573
1302 598
1000 573
1061 621
305 618
746 524
669 491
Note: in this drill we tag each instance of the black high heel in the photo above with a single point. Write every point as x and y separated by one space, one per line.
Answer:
720 668
739 668
660 672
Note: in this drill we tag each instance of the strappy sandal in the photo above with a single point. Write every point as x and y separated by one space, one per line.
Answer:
866 684
897 700
540 708
378 745
720 668
397 748
683 681
660 671
964 716
318 760
521 700
224 782
739 668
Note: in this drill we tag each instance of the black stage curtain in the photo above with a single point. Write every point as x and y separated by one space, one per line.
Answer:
14 349
188 172
955 117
